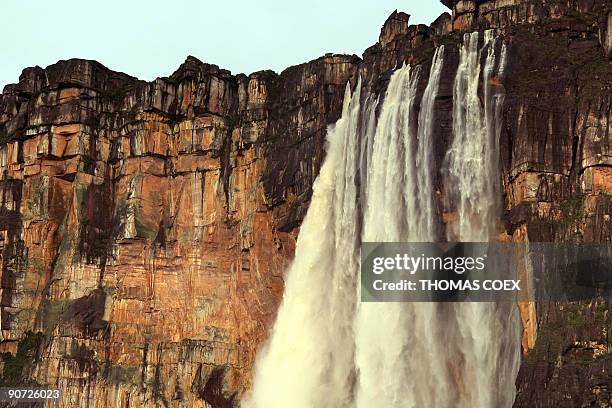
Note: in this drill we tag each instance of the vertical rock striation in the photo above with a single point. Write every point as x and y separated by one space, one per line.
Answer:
146 226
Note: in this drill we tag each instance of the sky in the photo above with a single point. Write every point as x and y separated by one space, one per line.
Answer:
151 38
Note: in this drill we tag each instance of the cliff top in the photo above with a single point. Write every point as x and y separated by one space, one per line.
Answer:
75 71
93 74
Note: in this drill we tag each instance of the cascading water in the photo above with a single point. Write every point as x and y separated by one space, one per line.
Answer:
327 349
489 334
308 361
394 340
474 152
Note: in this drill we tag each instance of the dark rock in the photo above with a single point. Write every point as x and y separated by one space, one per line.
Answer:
396 24
442 25
88 312
605 33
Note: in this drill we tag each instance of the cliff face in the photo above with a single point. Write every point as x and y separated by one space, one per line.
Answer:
558 183
145 227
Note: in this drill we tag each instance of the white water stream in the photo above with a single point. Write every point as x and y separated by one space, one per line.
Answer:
327 349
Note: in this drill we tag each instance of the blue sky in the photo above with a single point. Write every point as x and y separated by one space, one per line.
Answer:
151 38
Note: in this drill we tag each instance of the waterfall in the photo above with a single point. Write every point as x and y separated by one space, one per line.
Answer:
308 361
396 340
474 153
489 334
329 350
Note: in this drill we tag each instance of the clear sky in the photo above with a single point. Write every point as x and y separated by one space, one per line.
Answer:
150 38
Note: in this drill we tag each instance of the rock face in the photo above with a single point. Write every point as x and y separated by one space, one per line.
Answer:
145 226
470 14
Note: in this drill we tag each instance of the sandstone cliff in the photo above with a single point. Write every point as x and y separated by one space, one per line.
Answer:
145 227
